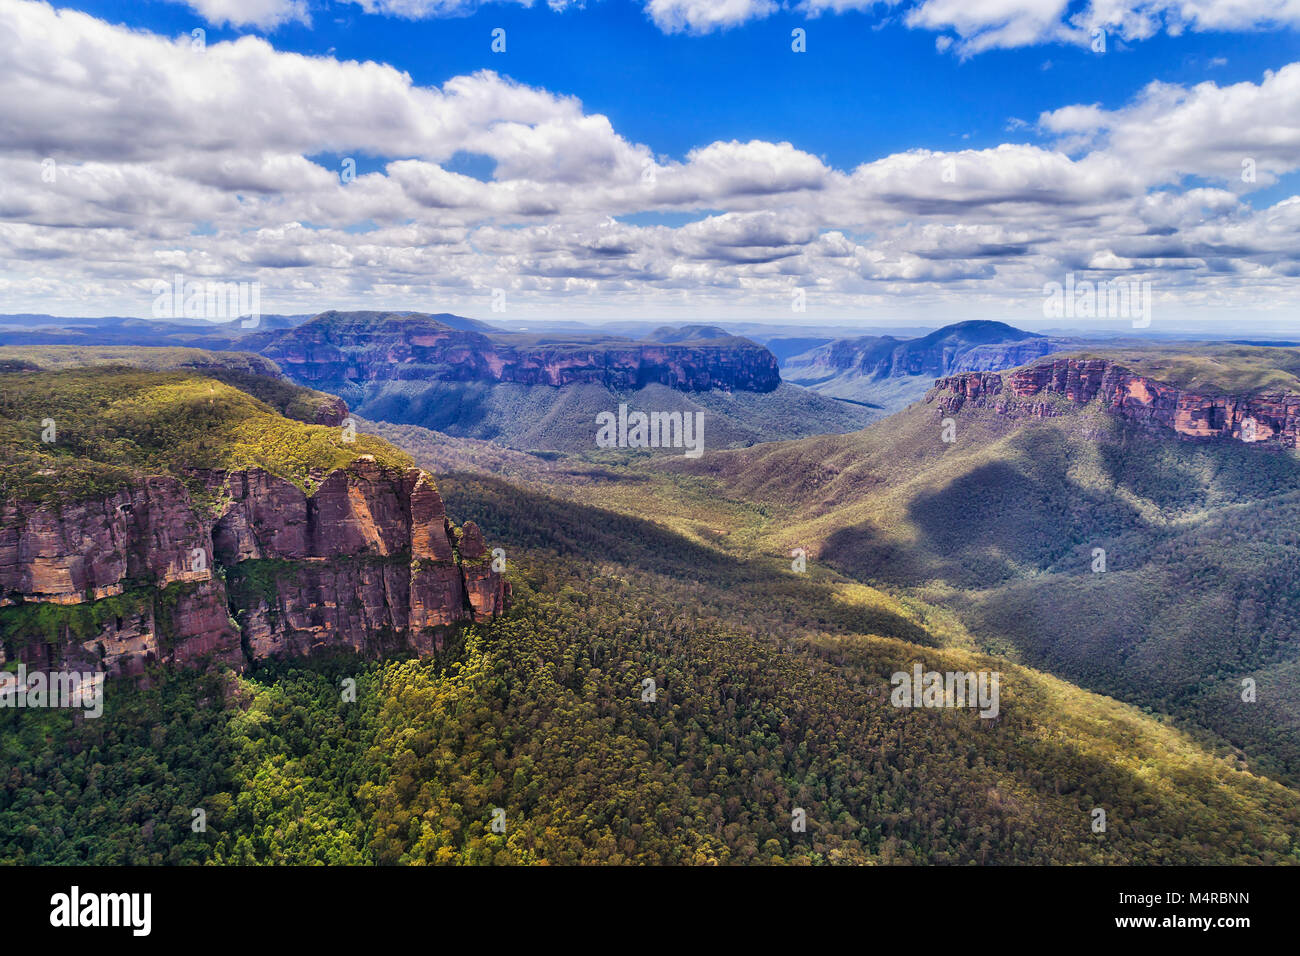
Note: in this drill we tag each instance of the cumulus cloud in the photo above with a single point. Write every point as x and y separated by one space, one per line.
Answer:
1247 134
165 158
266 14
967 27
983 24
425 9
704 16
978 24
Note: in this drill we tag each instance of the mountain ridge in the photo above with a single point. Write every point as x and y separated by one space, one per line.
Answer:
894 372
213 530
358 347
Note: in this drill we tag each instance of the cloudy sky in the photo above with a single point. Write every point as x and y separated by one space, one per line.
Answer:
895 162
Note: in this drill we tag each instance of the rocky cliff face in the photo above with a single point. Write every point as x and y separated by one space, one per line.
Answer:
1269 419
357 348
253 568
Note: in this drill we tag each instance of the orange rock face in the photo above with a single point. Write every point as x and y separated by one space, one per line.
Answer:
369 561
147 531
1271 420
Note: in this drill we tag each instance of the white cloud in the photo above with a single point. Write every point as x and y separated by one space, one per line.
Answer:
704 16
980 24
425 9
1206 130
266 14
172 159
988 24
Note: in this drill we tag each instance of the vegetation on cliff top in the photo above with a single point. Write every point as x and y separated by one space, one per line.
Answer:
169 358
254 374
1245 370
110 424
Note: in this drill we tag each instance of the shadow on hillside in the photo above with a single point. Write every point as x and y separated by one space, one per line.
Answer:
457 411
993 523
515 517
1179 475
866 552
1183 608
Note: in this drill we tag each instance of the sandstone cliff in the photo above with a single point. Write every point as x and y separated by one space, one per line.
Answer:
1268 419
233 566
338 349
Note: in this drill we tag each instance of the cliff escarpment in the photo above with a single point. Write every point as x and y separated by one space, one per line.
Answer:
168 518
962 346
1048 388
368 561
356 348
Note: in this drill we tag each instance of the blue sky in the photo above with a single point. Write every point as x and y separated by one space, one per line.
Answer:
925 160
869 86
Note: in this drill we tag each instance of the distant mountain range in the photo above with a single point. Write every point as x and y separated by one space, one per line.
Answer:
893 372
30 329
543 388
471 379
358 349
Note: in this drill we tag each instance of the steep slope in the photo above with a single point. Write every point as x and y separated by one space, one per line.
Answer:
1052 470
770 694
168 517
564 419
